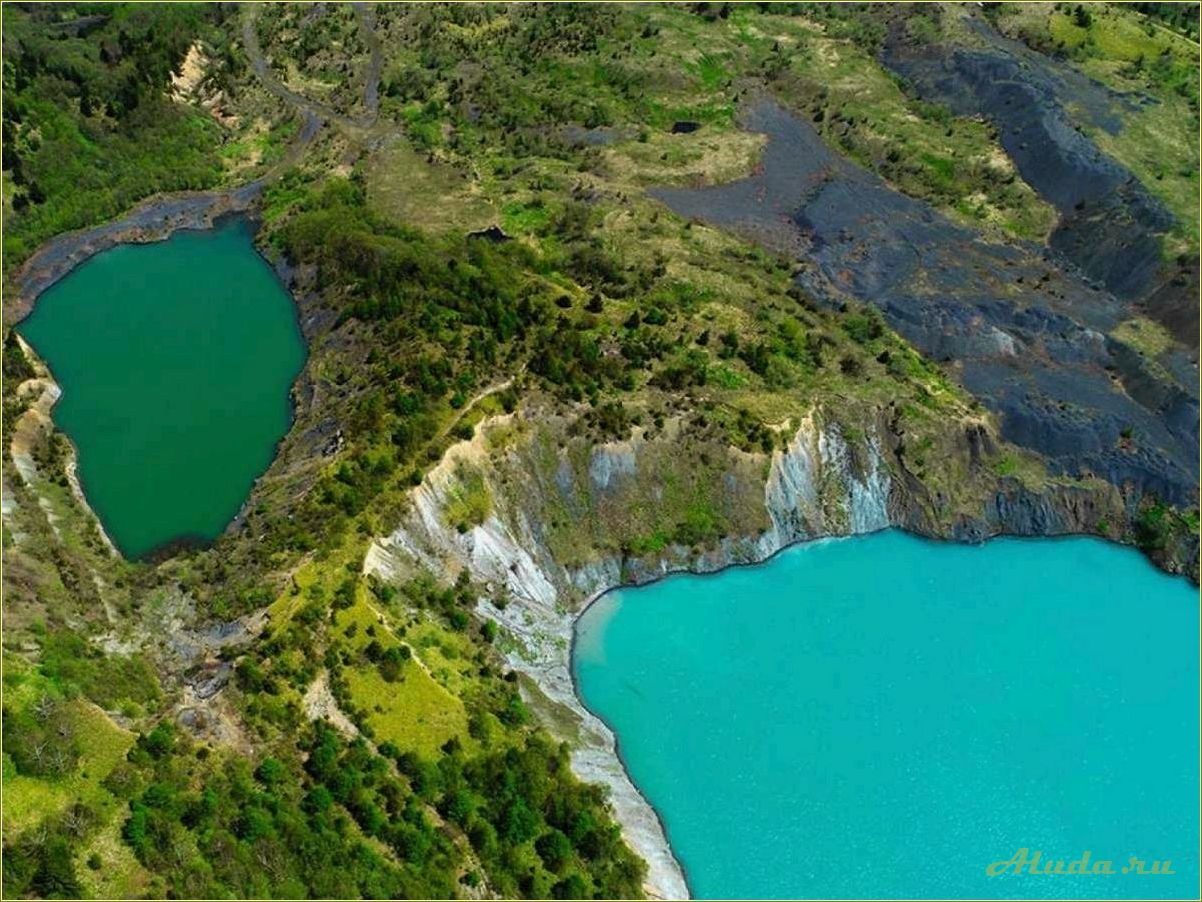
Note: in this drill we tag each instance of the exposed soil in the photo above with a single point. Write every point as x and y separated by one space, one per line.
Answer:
1024 333
1110 225
319 704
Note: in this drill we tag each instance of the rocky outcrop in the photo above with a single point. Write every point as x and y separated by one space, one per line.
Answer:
153 220
546 489
320 705
32 428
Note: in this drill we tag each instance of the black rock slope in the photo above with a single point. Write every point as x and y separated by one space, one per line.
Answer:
1026 337
1110 225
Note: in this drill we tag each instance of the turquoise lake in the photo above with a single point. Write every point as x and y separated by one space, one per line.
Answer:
175 361
885 716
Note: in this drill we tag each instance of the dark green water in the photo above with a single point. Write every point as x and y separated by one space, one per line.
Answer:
175 361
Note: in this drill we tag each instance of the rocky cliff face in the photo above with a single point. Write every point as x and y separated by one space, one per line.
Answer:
568 519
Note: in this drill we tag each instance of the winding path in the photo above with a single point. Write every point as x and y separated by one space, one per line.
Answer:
371 87
472 402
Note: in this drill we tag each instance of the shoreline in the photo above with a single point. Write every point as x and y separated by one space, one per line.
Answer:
153 219
509 557
577 616
617 741
76 482
209 218
71 463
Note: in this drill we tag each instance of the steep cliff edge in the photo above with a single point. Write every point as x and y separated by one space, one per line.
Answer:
547 520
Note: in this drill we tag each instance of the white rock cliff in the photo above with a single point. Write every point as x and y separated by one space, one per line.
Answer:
813 489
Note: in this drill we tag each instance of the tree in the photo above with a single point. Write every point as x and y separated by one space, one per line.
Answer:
270 772
572 886
392 661
554 849
55 876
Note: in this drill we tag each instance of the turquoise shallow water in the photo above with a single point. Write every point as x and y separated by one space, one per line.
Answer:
175 361
885 716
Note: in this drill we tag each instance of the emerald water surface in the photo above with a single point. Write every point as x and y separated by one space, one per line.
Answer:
175 361
885 716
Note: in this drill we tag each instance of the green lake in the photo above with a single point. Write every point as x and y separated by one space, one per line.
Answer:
175 360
